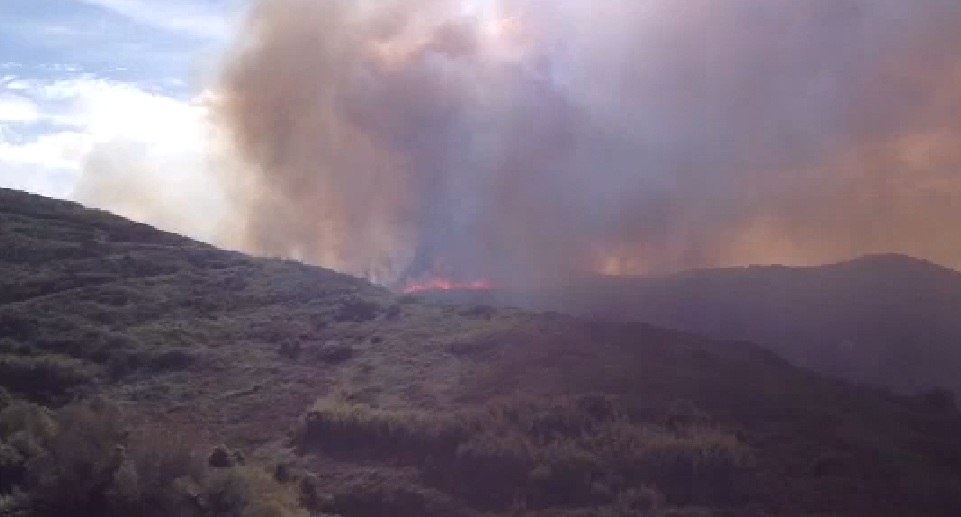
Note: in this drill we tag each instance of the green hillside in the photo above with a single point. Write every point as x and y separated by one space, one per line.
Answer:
322 391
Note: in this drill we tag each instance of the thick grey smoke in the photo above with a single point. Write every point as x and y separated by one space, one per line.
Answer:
527 140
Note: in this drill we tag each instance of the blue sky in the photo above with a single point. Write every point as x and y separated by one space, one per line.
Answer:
78 75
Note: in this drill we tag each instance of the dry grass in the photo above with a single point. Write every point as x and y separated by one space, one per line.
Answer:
574 452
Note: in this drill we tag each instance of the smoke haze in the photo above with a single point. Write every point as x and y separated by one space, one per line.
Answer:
523 140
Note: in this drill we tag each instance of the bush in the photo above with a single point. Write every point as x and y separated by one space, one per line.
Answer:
394 312
172 360
249 492
220 458
940 400
5 398
355 429
702 467
290 348
27 428
334 352
81 461
159 474
45 378
11 466
14 504
357 310
578 452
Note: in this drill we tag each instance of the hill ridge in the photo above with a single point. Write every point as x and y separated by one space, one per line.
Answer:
889 320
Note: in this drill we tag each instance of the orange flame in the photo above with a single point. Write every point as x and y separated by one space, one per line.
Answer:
445 284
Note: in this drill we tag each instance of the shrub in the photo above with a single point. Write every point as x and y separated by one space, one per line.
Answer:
346 428
26 428
172 360
290 348
309 494
12 464
159 475
478 311
639 501
940 400
282 473
45 378
249 492
334 352
357 310
220 458
704 466
5 398
14 504
394 312
81 461
578 452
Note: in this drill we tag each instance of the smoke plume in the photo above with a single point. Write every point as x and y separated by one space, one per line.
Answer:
525 140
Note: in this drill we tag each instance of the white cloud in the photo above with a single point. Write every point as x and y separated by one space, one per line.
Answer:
110 109
37 179
14 108
61 151
14 84
115 146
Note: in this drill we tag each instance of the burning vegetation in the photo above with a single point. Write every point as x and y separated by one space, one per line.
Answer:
445 284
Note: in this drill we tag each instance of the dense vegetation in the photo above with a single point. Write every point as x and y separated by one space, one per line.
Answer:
146 374
887 320
82 460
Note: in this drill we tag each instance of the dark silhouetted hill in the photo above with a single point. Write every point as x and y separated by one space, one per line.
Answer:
888 320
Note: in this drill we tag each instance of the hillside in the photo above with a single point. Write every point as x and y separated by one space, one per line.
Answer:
886 320
381 405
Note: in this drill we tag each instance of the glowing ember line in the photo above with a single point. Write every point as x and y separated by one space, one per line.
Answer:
444 284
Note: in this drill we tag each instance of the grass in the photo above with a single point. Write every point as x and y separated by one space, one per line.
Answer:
574 452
